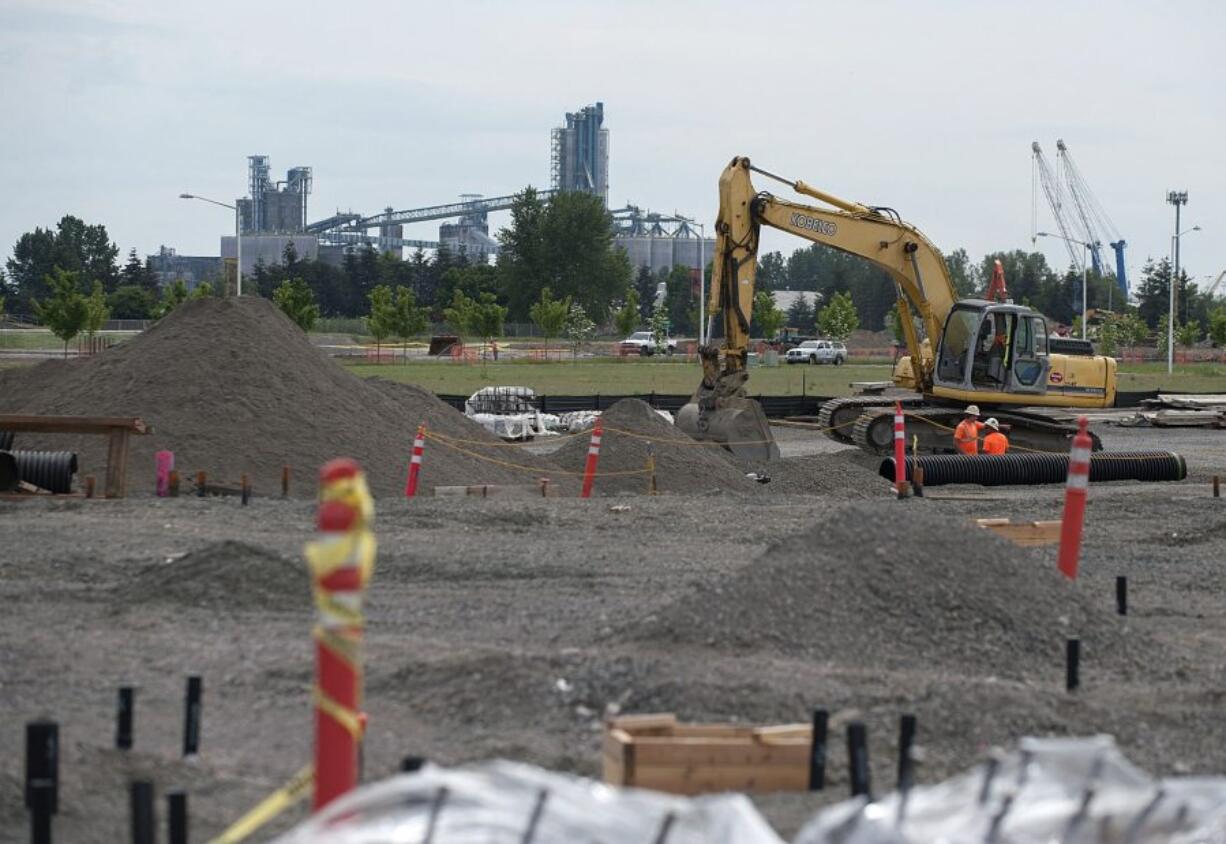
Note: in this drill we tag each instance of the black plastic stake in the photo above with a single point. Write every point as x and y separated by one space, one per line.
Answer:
906 741
857 759
191 716
412 764
534 819
142 812
124 716
176 816
1072 665
817 751
42 777
1121 595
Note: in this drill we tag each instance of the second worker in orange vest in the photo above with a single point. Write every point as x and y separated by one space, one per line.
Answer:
966 435
995 442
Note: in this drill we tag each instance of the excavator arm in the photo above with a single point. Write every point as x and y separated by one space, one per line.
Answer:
876 234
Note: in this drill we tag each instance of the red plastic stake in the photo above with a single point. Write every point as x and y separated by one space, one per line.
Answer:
341 561
593 455
419 446
900 452
165 465
1075 493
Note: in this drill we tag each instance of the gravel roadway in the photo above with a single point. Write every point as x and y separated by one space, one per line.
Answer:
496 628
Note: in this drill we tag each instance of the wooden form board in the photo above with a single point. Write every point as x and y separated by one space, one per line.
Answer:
658 752
116 428
1023 533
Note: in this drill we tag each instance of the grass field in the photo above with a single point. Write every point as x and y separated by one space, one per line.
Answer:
618 376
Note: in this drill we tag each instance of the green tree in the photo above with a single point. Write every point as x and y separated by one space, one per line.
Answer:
411 320
627 317
838 318
381 321
578 327
1161 331
64 311
549 314
131 302
73 246
1188 334
136 273
801 312
1217 324
566 245
486 317
173 295
295 299
767 318
964 275
96 311
893 321
203 290
659 329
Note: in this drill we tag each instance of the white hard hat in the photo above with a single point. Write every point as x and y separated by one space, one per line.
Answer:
992 423
972 410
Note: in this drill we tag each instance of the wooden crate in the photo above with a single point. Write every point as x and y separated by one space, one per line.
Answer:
658 752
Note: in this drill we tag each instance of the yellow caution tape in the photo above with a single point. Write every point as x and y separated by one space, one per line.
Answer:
274 804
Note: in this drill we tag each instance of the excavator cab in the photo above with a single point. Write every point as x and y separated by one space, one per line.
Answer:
993 348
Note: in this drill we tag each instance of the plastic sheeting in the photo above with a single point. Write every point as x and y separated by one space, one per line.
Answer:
1073 791
496 802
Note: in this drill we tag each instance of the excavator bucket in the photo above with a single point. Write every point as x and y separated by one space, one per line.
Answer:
736 423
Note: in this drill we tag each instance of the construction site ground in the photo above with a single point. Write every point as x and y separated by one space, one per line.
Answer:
510 628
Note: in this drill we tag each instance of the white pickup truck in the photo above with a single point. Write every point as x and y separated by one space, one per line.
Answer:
818 351
645 344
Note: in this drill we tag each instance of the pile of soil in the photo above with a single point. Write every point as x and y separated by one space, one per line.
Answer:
233 386
683 465
223 575
901 590
838 474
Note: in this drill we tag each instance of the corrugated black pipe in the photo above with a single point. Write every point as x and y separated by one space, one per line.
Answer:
1011 469
8 472
51 470
6 440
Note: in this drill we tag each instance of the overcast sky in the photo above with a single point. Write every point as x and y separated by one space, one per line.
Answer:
111 109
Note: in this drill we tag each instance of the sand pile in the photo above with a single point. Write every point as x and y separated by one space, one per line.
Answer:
223 575
835 474
899 587
682 464
233 386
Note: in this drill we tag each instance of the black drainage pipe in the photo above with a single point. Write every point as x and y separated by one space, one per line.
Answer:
50 470
6 440
1010 469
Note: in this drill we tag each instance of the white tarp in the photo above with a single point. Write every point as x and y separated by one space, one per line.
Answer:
497 802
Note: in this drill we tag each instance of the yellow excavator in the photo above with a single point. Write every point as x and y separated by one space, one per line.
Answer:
960 351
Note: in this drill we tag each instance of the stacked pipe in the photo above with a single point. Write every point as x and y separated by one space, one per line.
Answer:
1017 469
49 470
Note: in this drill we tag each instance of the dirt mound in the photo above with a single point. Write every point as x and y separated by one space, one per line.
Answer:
223 575
232 386
822 474
682 464
901 588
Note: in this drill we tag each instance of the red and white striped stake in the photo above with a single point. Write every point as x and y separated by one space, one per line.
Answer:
900 452
593 455
1075 493
419 447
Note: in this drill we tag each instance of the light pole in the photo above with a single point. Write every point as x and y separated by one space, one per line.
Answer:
1085 275
238 237
1178 199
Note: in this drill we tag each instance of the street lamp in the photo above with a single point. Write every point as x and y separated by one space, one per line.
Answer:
1178 199
1085 275
238 237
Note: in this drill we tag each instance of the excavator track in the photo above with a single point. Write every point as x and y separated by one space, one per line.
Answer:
837 415
874 430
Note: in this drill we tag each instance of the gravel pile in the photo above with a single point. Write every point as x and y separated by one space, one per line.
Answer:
232 386
223 575
835 474
682 464
900 588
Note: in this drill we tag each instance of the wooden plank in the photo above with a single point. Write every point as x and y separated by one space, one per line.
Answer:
116 484
72 424
635 723
709 753
1024 533
617 756
752 780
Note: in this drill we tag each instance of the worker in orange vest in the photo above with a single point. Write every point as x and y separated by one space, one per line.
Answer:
994 442
966 435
